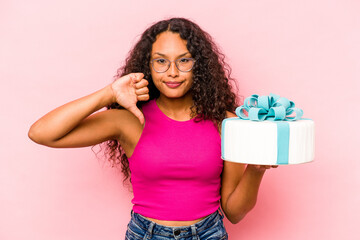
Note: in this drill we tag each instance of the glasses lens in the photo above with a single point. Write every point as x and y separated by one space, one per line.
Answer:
160 64
185 64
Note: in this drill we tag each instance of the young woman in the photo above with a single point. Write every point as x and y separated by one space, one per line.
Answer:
165 110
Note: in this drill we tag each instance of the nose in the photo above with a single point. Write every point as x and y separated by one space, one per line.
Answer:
173 71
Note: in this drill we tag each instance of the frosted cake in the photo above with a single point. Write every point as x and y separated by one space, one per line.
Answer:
269 130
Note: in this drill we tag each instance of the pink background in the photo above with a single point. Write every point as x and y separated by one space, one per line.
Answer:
52 53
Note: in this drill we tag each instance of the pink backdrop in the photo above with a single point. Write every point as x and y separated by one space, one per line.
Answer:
52 53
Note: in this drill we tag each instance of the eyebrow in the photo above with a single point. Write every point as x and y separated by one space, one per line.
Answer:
164 55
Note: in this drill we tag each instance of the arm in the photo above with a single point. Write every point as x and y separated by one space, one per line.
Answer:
75 125
240 187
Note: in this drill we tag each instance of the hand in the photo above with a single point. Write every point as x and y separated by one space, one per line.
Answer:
129 89
261 168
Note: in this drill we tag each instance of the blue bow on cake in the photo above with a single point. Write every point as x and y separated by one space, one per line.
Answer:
273 108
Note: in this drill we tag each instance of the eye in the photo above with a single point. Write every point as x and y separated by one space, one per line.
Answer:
160 61
184 60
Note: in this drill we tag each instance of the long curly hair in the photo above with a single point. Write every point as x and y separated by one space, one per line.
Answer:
212 91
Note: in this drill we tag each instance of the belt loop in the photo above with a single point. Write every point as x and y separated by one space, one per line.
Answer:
194 233
150 229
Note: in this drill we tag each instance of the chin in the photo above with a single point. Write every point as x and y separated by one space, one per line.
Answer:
174 95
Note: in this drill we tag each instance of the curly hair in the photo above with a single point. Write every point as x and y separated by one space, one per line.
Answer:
212 92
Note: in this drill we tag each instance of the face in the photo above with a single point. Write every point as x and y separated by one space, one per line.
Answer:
172 83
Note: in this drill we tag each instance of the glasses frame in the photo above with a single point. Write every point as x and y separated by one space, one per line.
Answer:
169 64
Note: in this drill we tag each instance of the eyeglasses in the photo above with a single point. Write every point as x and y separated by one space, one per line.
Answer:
161 65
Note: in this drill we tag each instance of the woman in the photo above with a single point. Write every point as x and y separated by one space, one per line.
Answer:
165 110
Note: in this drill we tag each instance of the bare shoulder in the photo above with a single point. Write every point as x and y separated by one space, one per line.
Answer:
115 116
122 115
129 128
123 121
230 114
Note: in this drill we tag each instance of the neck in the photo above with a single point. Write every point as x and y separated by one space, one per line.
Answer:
176 108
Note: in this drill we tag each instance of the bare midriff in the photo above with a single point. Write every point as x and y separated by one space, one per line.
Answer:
175 223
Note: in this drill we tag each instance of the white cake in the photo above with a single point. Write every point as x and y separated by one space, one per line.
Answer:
256 142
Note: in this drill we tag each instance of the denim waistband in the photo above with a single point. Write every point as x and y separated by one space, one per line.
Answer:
155 228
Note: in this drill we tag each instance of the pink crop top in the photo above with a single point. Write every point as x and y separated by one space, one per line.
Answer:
176 167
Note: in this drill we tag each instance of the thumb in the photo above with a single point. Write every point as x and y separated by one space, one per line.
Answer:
134 110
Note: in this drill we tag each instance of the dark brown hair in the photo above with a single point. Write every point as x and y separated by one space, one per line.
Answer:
211 90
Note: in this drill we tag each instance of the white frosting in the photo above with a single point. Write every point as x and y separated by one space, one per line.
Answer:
252 142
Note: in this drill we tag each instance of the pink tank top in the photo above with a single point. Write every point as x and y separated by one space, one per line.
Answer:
176 167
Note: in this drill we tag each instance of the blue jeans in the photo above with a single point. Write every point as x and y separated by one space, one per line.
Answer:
211 227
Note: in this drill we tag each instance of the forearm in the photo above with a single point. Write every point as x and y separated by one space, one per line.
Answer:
63 119
244 197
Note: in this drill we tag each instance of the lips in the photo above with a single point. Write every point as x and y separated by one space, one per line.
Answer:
173 84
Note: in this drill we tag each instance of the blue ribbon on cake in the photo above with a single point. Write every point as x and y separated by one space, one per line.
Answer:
272 108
